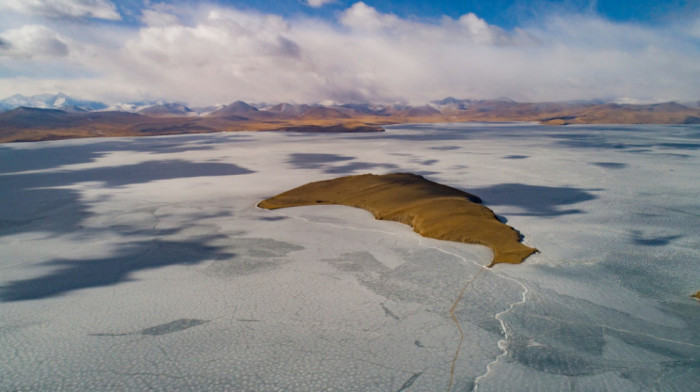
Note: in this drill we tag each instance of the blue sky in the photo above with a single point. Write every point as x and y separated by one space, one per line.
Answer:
380 51
503 13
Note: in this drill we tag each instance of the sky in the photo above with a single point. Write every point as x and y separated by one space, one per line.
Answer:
323 51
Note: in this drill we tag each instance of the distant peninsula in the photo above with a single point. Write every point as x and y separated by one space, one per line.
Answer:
433 210
66 118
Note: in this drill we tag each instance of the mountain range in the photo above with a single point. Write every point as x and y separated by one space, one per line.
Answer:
48 117
51 101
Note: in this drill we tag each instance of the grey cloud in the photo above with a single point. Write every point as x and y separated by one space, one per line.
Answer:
318 3
55 47
101 9
288 47
33 41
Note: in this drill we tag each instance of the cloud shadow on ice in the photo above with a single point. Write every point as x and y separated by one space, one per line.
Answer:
445 148
680 146
315 161
272 218
591 140
14 159
326 163
536 200
448 135
161 329
610 165
155 170
52 210
71 275
183 143
353 167
640 239
624 140
35 201
253 255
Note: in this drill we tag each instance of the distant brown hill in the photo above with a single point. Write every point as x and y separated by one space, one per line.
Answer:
24 117
31 124
664 113
323 113
288 109
166 110
420 111
240 110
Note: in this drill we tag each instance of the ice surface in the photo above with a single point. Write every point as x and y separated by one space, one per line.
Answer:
144 263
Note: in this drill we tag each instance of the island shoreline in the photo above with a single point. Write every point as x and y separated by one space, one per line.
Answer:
433 210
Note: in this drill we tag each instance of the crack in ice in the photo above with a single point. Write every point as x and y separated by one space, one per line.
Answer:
502 343
550 318
459 328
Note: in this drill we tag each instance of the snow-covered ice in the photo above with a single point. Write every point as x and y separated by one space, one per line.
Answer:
144 263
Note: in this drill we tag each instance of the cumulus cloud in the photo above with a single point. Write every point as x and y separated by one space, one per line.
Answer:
101 9
363 17
318 3
32 41
227 53
154 18
222 54
469 28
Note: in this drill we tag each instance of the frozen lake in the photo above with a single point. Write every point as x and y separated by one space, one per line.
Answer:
144 263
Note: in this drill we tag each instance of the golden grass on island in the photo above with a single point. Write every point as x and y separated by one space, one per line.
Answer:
433 210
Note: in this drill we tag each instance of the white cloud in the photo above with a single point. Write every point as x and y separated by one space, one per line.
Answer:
318 3
221 54
32 41
101 9
161 14
479 29
363 17
155 18
469 28
225 51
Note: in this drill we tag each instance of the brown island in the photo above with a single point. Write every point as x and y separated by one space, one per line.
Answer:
433 210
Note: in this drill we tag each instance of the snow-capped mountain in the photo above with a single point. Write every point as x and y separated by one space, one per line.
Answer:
50 101
167 110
